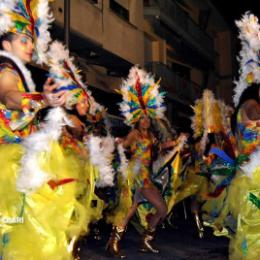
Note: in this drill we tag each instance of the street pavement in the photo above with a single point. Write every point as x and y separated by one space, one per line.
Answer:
179 243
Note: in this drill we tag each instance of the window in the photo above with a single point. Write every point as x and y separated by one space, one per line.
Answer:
119 10
181 70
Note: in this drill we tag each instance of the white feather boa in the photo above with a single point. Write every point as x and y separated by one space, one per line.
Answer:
101 155
31 176
26 73
123 161
253 163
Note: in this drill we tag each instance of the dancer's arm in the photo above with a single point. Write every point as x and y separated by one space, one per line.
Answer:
12 97
167 144
9 94
171 143
129 139
77 128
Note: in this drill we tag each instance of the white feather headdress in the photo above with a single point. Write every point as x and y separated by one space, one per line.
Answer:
141 96
249 54
66 74
6 21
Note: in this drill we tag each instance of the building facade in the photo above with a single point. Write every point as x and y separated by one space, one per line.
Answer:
186 43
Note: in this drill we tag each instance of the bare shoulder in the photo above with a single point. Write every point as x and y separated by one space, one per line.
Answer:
8 78
8 83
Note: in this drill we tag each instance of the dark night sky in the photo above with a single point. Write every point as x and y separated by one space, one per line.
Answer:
232 12
235 8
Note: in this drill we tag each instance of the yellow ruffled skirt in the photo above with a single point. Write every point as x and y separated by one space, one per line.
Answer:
244 203
93 205
51 218
177 190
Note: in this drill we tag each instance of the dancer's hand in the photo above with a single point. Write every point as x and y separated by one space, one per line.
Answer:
53 99
184 134
118 140
167 144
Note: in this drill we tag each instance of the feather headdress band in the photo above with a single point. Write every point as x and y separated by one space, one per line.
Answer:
30 17
249 56
141 97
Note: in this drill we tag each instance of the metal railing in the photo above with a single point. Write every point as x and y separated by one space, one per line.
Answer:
171 82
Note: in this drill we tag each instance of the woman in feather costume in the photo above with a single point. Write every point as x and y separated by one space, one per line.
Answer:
101 157
142 102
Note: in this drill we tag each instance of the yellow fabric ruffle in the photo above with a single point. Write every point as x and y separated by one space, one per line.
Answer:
52 219
246 242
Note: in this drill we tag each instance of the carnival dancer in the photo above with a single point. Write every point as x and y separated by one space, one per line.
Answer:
38 182
142 102
242 213
91 141
215 156
168 175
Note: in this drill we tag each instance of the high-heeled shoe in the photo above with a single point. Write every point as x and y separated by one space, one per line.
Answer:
112 246
199 225
146 245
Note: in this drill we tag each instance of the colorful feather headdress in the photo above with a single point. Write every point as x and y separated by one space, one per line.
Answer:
141 97
249 56
67 76
30 17
206 114
207 117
